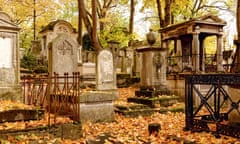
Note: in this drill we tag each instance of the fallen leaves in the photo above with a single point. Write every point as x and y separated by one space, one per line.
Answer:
123 130
10 105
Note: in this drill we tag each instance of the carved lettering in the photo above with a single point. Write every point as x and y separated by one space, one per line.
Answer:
65 48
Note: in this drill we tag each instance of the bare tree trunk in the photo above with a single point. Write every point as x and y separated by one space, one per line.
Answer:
238 19
79 25
167 19
131 19
159 8
91 27
94 26
236 59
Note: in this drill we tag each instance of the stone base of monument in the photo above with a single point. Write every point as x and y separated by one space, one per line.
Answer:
11 92
154 102
152 91
21 115
97 106
137 107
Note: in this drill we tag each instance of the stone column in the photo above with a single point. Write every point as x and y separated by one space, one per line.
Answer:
203 59
195 51
219 52
179 54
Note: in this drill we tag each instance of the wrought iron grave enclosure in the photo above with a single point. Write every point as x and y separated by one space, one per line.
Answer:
209 116
57 94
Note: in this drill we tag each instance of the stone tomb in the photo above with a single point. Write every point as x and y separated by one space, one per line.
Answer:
153 72
63 55
10 88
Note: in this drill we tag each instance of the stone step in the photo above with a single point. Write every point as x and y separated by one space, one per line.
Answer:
21 115
144 110
154 102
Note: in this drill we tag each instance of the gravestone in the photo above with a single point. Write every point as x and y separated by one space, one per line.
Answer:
106 78
97 105
10 88
63 55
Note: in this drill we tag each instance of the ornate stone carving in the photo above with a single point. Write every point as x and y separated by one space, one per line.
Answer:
62 29
65 48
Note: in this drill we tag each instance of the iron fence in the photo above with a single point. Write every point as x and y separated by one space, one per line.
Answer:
199 118
184 63
58 94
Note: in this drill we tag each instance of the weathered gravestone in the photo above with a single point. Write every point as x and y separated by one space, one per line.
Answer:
106 78
97 105
10 88
63 55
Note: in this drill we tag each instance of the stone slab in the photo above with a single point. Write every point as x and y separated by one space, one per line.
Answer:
97 106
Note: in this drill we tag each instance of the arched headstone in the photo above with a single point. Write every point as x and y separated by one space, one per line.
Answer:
105 71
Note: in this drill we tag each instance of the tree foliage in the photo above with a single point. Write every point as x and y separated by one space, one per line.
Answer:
160 12
21 12
28 61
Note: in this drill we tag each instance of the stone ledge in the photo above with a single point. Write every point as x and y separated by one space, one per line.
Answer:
98 96
21 114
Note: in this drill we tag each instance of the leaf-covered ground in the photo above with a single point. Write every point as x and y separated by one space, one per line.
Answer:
125 130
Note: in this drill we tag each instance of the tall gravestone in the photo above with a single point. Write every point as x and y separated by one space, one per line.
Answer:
97 106
10 88
63 55
106 78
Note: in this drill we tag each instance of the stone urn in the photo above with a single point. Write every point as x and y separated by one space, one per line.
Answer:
151 37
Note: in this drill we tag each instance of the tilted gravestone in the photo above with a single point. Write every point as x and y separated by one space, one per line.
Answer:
10 88
63 55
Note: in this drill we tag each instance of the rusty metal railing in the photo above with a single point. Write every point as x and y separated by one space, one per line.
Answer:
59 95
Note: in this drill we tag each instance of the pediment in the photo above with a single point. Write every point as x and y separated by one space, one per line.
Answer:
211 19
7 24
5 20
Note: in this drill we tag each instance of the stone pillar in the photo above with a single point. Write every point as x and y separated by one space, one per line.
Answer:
153 66
179 54
10 88
219 52
195 51
203 59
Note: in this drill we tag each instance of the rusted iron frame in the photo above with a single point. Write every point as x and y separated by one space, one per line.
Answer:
33 90
68 96
76 96
217 81
51 86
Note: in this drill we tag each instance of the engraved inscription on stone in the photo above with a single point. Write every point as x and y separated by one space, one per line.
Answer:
62 29
65 48
6 53
106 66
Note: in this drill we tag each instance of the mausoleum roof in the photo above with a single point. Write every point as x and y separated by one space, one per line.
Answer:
208 19
51 25
6 22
